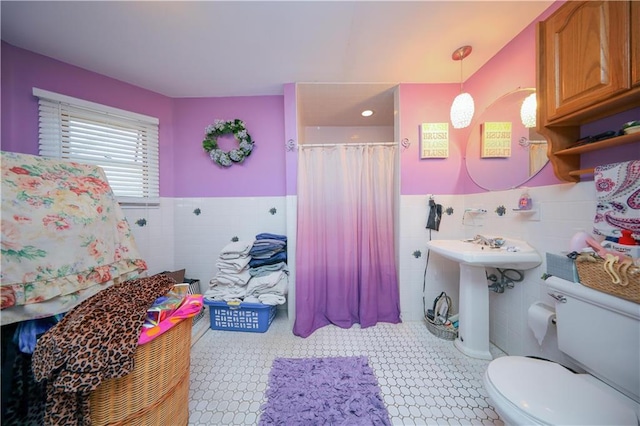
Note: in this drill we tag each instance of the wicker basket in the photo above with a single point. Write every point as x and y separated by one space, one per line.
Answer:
441 331
593 275
156 392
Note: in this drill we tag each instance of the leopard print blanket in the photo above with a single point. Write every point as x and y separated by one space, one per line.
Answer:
95 341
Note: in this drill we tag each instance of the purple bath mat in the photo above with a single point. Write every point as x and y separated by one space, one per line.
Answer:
323 391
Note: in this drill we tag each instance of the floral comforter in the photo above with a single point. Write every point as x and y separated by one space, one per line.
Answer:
64 236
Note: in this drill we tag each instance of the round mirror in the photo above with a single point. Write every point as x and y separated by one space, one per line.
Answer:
501 152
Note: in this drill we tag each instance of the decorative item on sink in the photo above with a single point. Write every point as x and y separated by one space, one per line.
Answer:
525 202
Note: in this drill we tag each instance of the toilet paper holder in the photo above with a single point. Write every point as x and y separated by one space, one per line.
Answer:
560 299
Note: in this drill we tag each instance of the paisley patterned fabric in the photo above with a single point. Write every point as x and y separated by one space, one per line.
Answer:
618 192
63 234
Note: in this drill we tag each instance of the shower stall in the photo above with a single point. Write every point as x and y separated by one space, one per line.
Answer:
329 129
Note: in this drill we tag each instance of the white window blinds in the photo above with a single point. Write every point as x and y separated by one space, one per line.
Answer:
123 143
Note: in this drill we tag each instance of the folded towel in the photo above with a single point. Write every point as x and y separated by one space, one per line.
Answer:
272 299
259 271
266 235
274 283
277 258
226 256
236 264
618 192
225 292
237 247
265 246
269 242
266 254
236 278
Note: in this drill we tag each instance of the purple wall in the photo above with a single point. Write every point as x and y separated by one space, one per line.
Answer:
22 70
261 174
429 103
185 169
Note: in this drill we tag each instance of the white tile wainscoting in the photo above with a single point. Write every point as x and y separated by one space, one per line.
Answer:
175 238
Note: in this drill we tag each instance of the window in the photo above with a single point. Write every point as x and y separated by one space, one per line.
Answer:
123 143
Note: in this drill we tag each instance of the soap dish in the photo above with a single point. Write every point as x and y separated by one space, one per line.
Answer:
531 214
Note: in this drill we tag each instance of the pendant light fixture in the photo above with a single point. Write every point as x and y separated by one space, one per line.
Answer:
528 111
463 107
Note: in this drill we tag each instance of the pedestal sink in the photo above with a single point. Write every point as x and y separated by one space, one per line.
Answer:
473 330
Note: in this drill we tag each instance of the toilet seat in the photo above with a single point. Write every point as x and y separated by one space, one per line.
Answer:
544 392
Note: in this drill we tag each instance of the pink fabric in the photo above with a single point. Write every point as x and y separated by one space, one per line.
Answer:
191 307
345 262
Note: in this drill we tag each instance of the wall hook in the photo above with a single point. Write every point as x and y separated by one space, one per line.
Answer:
524 142
405 143
290 145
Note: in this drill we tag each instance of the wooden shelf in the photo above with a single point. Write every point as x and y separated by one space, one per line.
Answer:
581 172
597 146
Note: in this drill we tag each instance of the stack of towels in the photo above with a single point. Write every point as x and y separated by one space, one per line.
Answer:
252 271
233 272
268 250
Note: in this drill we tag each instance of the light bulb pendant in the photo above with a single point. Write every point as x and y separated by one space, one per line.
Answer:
462 111
528 111
463 107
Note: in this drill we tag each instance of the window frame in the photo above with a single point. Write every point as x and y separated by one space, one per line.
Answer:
138 141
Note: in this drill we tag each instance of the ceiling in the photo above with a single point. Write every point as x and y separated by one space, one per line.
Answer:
246 48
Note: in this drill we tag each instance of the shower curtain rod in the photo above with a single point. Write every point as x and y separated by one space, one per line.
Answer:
322 145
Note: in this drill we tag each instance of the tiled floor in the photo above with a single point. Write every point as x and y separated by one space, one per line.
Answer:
424 379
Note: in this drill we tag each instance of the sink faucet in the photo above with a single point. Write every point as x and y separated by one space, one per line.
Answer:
491 242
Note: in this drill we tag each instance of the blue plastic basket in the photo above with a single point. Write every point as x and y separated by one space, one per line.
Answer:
253 317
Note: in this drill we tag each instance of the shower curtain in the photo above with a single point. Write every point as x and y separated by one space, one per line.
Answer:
345 263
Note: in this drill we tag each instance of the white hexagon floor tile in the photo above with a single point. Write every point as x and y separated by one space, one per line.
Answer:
423 380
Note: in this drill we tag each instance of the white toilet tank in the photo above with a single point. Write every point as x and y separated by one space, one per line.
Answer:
600 332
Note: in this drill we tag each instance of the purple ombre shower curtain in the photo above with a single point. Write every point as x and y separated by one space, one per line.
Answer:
345 261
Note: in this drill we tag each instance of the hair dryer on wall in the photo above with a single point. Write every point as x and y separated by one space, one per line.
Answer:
435 214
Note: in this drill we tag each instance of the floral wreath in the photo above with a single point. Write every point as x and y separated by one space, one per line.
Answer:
222 127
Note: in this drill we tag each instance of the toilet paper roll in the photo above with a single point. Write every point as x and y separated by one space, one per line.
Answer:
540 318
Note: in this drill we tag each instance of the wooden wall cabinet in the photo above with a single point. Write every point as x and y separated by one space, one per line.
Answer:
635 43
588 69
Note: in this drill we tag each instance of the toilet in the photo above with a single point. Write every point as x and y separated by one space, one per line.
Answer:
601 334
